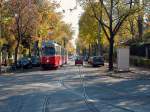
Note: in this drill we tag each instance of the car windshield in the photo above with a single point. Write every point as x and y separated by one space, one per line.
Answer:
34 58
24 58
97 58
78 58
48 51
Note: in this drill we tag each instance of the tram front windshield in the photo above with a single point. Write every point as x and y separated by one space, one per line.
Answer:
48 51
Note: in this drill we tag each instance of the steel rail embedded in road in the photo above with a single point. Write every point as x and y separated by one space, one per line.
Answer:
45 104
89 106
85 92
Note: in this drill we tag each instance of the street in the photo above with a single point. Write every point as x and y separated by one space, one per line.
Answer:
73 89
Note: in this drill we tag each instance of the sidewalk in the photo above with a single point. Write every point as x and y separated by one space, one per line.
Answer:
134 73
4 69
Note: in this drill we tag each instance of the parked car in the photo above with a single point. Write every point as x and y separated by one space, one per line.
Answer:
25 62
18 66
90 60
78 60
86 58
35 60
96 60
71 58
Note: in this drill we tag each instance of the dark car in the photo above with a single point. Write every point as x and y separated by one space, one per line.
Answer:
86 58
25 62
90 60
78 60
96 60
18 66
35 60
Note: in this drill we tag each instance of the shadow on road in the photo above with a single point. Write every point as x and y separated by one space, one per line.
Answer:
108 93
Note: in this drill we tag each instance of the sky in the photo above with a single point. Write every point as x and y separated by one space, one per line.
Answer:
71 17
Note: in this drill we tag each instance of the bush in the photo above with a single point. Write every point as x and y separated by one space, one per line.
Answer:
139 49
106 57
10 61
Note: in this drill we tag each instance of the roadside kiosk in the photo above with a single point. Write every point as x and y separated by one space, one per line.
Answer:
123 59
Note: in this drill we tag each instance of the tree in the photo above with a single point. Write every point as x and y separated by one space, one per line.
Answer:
117 11
51 25
0 31
25 17
87 31
25 23
5 21
93 38
70 48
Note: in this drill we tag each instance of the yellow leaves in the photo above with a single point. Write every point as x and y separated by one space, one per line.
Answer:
53 17
51 25
2 41
70 48
35 18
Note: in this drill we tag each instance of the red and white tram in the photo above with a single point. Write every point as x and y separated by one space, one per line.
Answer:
52 55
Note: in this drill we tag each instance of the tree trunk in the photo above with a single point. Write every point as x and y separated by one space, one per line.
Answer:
29 47
0 61
0 31
111 41
18 39
93 49
140 26
37 51
29 51
16 52
89 54
16 55
111 46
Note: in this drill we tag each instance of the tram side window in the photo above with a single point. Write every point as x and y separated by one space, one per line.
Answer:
58 50
65 52
48 51
62 51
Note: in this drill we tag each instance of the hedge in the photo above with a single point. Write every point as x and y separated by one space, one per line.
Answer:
140 61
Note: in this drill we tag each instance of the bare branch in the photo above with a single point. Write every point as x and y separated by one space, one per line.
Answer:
103 24
105 31
101 1
121 20
116 3
99 19
93 9
25 27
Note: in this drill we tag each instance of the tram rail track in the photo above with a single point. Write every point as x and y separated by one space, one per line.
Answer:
87 103
91 106
104 101
45 104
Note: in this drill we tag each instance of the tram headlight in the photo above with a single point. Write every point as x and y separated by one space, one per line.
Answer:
47 60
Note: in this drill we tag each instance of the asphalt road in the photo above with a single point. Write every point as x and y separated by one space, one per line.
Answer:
72 89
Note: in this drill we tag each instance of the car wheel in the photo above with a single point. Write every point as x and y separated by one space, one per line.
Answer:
30 66
93 65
